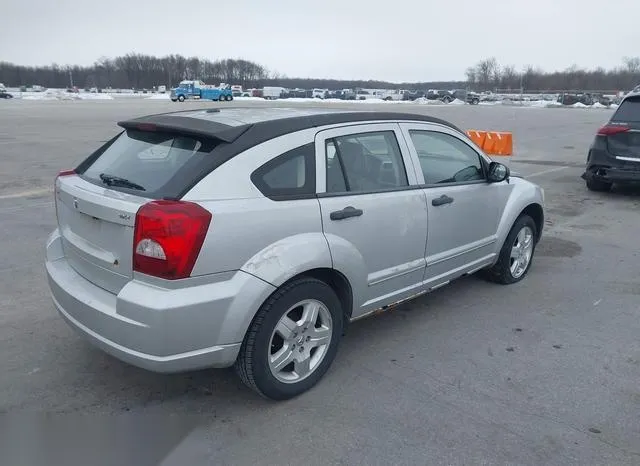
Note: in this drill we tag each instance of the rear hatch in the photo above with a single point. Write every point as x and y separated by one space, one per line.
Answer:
623 130
96 207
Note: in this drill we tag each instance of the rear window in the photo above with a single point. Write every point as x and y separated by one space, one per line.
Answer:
628 111
145 163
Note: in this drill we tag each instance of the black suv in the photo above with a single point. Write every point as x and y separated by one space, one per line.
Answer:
614 155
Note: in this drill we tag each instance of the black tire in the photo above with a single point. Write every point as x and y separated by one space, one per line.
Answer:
228 98
252 363
180 98
598 186
475 102
446 100
501 270
174 100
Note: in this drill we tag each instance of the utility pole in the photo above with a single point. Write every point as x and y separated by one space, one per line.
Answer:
70 78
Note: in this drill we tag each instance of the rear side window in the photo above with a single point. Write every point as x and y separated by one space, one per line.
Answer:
629 111
144 163
365 162
290 175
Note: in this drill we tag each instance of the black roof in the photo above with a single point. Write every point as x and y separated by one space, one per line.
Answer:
262 124
254 124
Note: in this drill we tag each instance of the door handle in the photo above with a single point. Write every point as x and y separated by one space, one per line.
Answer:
442 200
347 212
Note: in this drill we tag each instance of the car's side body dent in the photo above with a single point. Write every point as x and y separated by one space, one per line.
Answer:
288 257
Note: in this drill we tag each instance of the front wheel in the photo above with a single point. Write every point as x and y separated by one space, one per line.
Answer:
181 98
292 340
516 254
228 98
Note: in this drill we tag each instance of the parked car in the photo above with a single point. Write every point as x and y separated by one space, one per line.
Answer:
253 237
5 95
614 155
448 96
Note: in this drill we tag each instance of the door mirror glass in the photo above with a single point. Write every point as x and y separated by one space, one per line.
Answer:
497 172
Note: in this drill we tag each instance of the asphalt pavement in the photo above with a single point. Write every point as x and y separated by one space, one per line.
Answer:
546 371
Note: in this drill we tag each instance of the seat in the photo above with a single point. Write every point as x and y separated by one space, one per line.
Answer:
355 163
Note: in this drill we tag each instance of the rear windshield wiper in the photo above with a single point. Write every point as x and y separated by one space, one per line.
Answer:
112 180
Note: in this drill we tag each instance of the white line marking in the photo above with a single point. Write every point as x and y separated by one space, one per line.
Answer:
544 172
34 192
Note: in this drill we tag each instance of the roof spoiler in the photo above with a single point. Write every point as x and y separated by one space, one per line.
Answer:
187 126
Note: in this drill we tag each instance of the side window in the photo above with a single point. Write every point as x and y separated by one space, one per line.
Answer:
364 162
445 158
290 174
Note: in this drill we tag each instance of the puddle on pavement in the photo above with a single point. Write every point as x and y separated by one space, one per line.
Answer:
551 246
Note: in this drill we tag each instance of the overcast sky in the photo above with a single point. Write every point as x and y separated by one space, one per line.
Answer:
399 40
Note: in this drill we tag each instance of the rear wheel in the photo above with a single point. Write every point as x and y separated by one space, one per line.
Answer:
516 254
597 185
292 340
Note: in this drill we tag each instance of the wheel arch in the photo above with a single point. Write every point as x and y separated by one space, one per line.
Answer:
337 281
536 212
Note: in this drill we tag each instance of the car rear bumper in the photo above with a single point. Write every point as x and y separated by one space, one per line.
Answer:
158 329
603 166
613 175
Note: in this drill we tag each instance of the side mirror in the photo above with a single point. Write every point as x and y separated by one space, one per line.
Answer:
497 172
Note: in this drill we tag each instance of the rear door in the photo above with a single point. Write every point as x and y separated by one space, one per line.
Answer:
96 207
625 144
463 209
373 212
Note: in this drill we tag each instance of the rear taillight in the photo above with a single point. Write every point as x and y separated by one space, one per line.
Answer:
168 237
610 130
66 173
56 193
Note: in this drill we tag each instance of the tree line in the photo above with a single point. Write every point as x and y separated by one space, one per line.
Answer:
139 71
134 71
488 74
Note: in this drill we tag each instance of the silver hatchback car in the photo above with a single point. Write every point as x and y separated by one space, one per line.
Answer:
252 237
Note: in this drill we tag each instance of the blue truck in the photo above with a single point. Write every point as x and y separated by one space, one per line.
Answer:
199 90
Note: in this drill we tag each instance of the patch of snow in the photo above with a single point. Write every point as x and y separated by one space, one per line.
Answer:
613 106
158 97
90 96
598 105
579 105
425 101
553 104
51 94
61 94
457 102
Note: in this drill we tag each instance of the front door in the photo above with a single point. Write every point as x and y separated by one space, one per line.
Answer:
373 212
463 208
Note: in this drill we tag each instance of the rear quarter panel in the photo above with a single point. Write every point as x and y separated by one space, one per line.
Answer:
272 240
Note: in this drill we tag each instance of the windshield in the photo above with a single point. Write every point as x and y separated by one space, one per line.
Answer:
149 160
